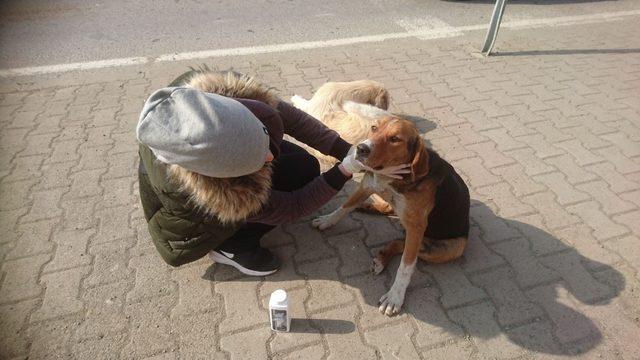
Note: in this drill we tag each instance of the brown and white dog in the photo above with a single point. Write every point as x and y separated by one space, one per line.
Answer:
432 202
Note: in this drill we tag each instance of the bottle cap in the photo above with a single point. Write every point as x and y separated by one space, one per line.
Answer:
278 297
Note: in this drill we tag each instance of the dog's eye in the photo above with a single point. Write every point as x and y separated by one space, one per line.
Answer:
374 128
395 139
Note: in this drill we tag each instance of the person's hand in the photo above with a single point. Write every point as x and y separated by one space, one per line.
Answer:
350 164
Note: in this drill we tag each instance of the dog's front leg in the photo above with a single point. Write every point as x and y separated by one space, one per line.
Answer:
327 221
391 302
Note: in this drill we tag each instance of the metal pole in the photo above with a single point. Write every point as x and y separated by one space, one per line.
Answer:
494 25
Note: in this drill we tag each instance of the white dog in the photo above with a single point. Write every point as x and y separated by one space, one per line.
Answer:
350 108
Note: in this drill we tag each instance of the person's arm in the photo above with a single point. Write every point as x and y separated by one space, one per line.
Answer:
307 129
287 206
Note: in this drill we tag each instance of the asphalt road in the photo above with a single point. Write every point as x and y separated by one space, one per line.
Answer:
44 32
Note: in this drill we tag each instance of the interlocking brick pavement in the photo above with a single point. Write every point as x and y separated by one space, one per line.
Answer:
546 133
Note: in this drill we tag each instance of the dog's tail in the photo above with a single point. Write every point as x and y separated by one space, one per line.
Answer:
300 102
441 251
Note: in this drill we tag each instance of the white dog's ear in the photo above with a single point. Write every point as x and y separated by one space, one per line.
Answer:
382 100
364 110
299 102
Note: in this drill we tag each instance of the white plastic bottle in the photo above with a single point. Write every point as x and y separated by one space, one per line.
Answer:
279 311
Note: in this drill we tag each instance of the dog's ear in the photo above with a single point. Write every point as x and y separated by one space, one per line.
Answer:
382 99
419 159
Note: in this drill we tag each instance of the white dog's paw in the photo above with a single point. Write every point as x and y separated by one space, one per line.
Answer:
376 266
390 303
299 102
323 222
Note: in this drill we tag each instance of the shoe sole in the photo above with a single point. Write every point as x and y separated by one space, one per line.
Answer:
221 259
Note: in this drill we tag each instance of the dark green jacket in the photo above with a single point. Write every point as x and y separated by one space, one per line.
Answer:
180 233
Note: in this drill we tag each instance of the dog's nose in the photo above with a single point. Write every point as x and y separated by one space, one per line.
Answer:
363 150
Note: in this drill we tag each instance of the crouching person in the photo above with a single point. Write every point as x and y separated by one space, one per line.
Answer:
216 175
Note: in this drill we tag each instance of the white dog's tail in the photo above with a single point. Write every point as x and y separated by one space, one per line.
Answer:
300 102
364 110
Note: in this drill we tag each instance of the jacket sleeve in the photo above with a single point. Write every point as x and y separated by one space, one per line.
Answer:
307 129
286 206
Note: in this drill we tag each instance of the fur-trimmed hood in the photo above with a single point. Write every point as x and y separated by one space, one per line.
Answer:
230 199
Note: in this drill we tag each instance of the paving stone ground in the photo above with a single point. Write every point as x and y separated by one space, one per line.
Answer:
546 134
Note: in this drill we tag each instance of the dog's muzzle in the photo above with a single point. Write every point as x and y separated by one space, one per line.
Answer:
363 150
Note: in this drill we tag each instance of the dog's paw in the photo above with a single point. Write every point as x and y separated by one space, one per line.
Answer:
299 102
390 303
323 222
376 266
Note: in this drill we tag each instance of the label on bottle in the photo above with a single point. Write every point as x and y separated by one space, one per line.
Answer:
279 320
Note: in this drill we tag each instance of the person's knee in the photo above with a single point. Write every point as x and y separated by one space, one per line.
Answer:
311 168
294 168
307 168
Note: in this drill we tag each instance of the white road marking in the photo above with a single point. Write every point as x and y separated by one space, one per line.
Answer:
48 69
420 30
424 25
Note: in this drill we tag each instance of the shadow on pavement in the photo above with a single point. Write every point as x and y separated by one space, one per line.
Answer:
530 2
531 291
329 326
566 52
422 124
515 281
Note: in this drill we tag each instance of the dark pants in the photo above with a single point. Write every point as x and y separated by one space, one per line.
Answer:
292 170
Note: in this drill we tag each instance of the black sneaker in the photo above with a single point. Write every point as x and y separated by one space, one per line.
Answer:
260 262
